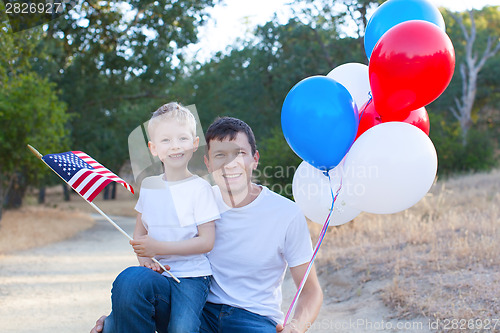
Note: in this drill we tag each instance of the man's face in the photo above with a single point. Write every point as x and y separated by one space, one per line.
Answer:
231 163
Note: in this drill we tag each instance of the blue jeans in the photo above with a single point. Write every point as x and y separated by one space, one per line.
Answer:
146 301
220 318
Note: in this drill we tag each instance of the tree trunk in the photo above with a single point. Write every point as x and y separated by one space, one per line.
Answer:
41 195
1 201
15 193
469 71
110 191
4 189
2 193
106 193
66 192
113 190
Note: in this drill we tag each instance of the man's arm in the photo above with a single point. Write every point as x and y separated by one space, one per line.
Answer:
309 301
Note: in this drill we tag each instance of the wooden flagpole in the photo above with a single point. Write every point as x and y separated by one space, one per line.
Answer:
39 156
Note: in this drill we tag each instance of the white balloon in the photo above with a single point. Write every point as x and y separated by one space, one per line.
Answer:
313 193
354 77
389 168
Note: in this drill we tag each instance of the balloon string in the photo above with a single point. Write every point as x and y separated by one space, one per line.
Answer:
315 252
369 101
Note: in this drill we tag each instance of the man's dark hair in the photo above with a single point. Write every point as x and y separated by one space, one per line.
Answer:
228 127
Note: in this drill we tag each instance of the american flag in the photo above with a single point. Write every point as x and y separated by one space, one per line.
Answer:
84 174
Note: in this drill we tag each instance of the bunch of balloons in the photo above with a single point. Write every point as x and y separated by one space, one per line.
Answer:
362 131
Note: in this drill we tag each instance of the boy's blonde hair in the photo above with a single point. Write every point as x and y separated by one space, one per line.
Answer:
176 111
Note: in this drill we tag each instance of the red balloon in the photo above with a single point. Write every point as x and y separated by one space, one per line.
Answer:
411 66
369 117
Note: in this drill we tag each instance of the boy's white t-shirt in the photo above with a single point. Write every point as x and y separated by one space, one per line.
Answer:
253 245
171 211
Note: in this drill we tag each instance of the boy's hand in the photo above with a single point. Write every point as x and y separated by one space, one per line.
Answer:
145 246
289 328
149 263
99 325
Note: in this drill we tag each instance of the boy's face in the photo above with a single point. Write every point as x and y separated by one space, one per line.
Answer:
173 143
231 163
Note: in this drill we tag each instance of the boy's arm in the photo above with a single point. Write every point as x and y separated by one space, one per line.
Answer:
309 301
140 231
146 246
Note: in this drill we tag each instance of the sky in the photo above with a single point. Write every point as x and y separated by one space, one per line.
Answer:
236 18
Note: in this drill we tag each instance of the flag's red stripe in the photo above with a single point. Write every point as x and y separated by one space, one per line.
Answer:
113 178
81 179
84 190
98 190
107 174
89 160
101 170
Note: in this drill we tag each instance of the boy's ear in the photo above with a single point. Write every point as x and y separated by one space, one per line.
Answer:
152 148
196 143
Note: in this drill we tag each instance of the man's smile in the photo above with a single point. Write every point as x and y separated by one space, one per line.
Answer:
232 176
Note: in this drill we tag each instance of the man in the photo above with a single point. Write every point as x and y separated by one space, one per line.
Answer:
258 235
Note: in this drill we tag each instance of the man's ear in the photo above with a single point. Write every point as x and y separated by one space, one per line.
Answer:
152 148
256 158
207 163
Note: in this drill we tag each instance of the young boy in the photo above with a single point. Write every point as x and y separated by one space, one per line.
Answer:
175 224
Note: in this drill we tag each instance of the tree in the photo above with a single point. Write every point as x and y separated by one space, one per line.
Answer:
348 17
114 62
252 81
28 14
469 70
30 112
446 132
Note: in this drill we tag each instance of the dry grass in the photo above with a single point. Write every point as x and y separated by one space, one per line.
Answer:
441 256
37 226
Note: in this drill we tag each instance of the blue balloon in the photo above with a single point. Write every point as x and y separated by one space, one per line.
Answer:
319 120
393 12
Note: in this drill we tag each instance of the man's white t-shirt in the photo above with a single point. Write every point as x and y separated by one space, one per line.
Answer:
253 245
171 211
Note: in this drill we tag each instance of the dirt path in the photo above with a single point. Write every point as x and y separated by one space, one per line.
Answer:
65 287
